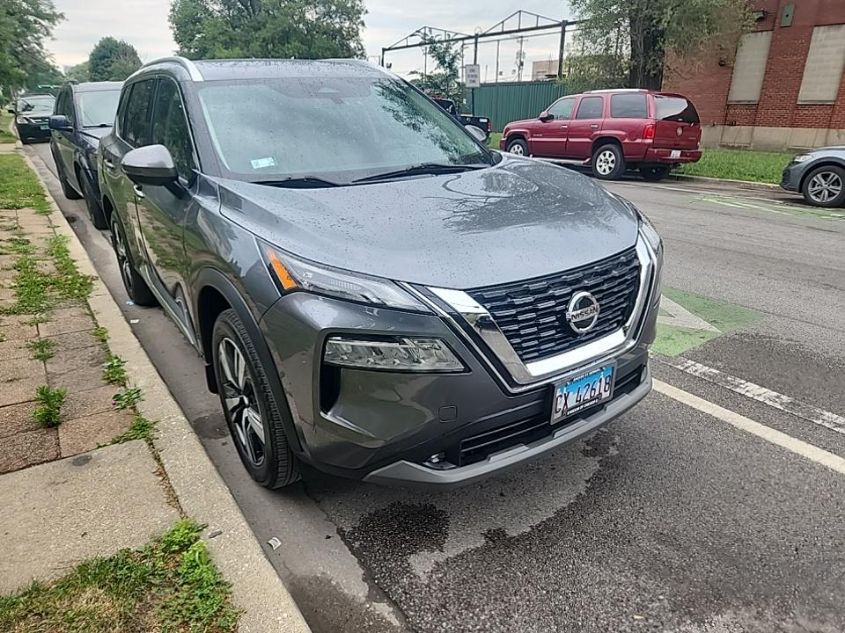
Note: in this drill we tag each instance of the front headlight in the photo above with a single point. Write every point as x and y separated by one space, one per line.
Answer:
292 273
25 120
392 354
802 158
650 233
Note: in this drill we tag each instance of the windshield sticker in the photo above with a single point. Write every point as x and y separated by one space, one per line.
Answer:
262 163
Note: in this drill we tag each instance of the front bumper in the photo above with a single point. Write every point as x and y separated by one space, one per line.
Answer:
664 155
791 178
33 131
385 426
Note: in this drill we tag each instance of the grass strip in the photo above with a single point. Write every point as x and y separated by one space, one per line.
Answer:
19 187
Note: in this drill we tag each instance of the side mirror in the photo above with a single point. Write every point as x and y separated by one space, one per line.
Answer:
477 133
60 123
546 116
151 165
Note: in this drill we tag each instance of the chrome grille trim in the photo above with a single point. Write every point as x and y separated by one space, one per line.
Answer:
527 375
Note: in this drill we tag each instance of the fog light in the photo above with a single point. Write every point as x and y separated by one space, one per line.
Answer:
392 354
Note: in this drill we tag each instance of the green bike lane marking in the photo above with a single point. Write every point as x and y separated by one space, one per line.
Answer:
770 206
687 321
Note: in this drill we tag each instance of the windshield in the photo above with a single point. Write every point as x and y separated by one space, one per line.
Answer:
97 109
36 105
675 109
338 128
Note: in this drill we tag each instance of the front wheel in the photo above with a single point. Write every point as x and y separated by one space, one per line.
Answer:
137 289
518 146
608 162
69 192
251 410
825 186
654 173
95 210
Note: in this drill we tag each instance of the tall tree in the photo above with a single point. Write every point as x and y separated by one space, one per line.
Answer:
80 72
112 60
24 25
444 80
305 29
645 30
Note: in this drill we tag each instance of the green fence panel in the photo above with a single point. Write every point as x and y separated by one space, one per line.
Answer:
505 102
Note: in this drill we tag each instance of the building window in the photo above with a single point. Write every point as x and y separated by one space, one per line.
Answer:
750 67
823 69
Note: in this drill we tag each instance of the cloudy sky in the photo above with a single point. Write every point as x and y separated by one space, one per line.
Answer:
143 23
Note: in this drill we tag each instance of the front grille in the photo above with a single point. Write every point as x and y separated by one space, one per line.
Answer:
532 313
479 447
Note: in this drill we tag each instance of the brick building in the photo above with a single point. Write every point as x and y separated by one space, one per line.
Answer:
785 87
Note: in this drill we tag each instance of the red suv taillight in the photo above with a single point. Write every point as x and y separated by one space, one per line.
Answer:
648 131
489 125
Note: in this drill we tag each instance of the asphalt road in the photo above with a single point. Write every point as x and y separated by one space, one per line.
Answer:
669 519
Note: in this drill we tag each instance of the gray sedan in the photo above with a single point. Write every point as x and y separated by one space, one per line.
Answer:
819 175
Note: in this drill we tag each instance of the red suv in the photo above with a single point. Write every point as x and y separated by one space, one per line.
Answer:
612 130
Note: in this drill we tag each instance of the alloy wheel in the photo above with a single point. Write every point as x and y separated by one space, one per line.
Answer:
824 187
516 149
239 398
605 162
122 257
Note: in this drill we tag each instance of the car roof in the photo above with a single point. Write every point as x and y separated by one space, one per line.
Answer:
97 86
223 69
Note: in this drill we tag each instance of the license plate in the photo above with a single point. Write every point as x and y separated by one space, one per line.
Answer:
676 153
45 126
582 392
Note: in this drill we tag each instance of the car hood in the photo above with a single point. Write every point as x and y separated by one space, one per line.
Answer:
519 219
520 123
93 135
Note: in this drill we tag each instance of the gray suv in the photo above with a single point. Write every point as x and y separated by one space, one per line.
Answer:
374 292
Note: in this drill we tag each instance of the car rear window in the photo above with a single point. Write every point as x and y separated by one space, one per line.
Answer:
674 109
631 106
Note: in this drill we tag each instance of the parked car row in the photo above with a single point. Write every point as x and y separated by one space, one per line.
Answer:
390 301
32 116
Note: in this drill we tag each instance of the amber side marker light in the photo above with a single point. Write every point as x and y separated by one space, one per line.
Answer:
285 278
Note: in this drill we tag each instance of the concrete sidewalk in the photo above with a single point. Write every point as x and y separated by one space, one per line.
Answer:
92 480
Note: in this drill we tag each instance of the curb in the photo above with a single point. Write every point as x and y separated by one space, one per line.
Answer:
742 184
256 588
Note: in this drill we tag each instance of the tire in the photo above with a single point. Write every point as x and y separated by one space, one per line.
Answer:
95 210
825 186
654 173
249 405
518 146
69 192
608 163
137 289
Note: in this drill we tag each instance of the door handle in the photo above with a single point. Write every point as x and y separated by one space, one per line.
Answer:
595 126
564 126
138 191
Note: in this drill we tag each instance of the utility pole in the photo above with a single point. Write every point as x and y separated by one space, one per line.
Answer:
563 26
520 59
498 43
474 62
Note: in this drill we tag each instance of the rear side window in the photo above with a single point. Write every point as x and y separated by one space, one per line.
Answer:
590 108
135 127
170 127
562 109
674 109
631 106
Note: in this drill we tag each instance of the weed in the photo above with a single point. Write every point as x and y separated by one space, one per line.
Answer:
141 429
127 398
739 164
20 246
68 281
101 334
114 370
42 349
19 187
50 401
169 585
38 319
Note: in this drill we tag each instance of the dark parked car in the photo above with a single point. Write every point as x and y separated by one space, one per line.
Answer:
32 117
612 130
422 310
819 175
84 114
483 123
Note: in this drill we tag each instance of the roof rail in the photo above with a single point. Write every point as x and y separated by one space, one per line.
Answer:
185 63
617 90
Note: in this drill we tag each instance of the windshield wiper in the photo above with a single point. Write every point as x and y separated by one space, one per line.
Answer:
424 168
303 182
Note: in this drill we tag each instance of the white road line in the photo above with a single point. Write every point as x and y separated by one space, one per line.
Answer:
813 453
761 394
